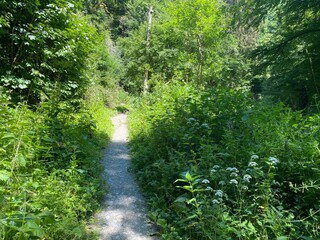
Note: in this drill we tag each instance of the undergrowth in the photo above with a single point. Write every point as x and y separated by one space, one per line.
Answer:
216 164
50 177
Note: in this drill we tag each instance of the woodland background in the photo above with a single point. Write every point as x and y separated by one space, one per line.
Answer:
225 140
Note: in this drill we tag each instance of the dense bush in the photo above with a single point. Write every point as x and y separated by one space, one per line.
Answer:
217 165
49 177
45 47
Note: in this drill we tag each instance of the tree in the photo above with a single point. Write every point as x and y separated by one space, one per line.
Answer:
189 43
44 46
287 54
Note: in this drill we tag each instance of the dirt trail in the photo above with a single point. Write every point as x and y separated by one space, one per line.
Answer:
124 214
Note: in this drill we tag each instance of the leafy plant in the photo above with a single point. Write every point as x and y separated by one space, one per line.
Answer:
249 168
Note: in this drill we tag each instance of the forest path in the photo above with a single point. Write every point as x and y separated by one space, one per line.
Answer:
123 216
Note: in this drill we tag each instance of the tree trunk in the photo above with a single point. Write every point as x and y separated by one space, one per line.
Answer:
146 71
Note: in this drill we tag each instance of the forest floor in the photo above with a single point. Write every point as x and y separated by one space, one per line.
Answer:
124 213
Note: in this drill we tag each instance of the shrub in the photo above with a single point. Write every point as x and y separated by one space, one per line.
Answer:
50 177
245 169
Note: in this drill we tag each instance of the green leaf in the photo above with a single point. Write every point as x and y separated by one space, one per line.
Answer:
33 229
162 222
8 135
47 216
77 231
282 238
191 200
190 217
181 199
180 180
4 175
188 176
305 238
21 160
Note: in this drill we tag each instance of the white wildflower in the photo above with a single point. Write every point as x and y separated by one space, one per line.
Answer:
205 181
213 170
209 189
215 201
219 193
273 160
216 167
233 181
245 188
252 164
254 157
232 169
222 183
234 174
247 178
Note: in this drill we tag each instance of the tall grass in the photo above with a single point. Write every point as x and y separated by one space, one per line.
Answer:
50 177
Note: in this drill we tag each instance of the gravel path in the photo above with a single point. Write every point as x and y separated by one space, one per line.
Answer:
124 214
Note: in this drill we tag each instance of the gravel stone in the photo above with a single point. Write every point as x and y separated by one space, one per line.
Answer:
124 216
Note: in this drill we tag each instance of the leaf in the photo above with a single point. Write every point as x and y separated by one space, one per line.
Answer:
33 229
31 37
188 176
21 160
180 207
188 188
70 5
180 180
305 238
81 171
8 135
77 231
47 216
282 238
4 175
22 86
191 200
162 222
181 199
190 217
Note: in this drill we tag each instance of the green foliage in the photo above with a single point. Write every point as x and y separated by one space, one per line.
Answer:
44 49
104 66
50 170
188 43
250 170
286 60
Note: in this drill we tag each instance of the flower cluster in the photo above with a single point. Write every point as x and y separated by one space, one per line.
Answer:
247 178
205 181
233 181
273 161
252 164
232 169
232 177
215 168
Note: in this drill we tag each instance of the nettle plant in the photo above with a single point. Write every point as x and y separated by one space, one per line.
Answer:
234 203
